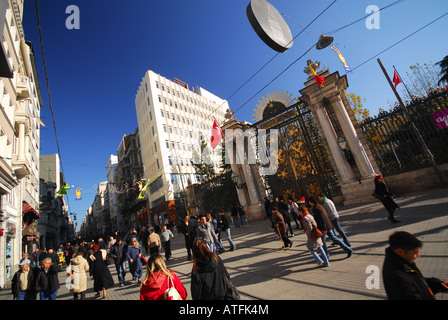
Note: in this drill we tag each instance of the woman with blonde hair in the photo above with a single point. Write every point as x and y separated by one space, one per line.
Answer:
158 279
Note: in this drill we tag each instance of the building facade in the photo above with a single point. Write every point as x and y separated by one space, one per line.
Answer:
129 179
116 222
55 226
20 102
174 122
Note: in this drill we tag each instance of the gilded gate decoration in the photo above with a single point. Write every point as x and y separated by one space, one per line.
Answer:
304 168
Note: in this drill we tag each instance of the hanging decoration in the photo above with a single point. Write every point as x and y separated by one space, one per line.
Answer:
341 57
63 189
143 190
78 194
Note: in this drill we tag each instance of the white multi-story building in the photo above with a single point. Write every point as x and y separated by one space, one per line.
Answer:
173 121
20 104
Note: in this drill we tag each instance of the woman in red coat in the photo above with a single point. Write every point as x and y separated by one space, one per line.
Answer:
157 279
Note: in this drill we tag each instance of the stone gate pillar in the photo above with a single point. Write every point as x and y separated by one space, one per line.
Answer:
356 179
251 191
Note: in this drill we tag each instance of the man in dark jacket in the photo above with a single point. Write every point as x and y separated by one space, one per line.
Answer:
118 253
48 280
282 207
225 226
23 282
280 226
402 279
187 228
324 224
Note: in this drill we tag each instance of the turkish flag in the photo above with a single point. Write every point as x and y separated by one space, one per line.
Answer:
216 135
396 79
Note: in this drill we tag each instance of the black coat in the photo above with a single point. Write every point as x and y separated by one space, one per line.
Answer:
32 277
404 280
100 272
118 252
321 217
48 282
385 196
207 282
224 225
189 233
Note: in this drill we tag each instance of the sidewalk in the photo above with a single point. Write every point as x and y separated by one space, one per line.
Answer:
261 269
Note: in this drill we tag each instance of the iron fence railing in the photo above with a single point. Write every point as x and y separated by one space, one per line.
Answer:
393 140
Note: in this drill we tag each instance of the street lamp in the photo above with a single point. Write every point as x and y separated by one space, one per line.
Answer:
235 181
342 142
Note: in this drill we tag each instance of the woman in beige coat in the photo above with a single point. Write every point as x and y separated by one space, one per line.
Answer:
78 267
314 246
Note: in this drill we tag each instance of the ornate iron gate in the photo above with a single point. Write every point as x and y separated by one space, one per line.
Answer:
304 167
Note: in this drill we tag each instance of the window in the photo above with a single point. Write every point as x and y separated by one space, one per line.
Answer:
161 111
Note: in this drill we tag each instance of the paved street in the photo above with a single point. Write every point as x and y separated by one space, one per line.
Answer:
261 269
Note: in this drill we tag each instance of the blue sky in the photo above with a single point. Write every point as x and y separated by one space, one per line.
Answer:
94 72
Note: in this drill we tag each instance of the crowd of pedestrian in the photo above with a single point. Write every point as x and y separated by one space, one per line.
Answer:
316 216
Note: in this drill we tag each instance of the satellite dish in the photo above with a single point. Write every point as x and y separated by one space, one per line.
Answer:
269 25
324 42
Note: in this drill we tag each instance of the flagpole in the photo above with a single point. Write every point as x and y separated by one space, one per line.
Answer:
401 79
408 116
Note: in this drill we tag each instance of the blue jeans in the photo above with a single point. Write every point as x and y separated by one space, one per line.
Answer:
337 227
121 271
324 258
243 219
236 221
229 238
50 297
336 240
211 246
23 295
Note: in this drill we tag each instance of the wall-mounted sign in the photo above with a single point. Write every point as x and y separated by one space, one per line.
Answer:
441 119
269 25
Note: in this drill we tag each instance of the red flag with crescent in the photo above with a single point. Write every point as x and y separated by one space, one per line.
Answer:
216 135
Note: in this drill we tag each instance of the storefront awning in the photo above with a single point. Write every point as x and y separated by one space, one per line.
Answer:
29 214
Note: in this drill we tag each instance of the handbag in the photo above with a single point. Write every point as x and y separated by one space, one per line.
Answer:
171 293
316 233
230 291
143 260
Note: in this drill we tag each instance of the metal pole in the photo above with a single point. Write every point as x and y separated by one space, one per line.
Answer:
419 136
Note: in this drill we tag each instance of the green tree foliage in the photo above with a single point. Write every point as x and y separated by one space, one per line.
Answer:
356 102
443 64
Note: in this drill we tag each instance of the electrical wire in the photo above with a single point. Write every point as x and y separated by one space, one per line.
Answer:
210 117
398 42
48 91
